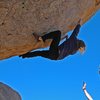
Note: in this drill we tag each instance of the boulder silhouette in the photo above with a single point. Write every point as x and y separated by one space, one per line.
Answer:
7 93
20 18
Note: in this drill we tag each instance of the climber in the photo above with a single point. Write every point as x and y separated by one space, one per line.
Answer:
56 52
85 92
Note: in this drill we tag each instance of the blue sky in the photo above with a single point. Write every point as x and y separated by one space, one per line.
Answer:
42 79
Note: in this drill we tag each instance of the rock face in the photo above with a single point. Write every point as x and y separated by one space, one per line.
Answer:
20 18
6 93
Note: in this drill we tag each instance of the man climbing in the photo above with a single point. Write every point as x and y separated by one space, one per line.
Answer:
86 93
57 52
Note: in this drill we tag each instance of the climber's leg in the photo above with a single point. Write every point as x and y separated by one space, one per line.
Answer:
51 35
53 52
56 36
46 54
86 93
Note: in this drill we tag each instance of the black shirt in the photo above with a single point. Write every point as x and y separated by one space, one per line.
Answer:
69 47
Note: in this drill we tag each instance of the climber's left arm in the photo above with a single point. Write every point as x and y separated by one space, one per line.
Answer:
65 37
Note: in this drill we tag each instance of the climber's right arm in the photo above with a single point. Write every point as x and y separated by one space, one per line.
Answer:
76 30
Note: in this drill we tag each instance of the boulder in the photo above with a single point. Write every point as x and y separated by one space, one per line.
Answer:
7 93
20 18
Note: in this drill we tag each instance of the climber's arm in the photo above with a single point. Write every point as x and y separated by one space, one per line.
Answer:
76 30
86 93
65 37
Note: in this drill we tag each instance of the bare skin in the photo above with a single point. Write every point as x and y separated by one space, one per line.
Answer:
86 93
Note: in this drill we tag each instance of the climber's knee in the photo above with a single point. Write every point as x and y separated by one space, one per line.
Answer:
57 33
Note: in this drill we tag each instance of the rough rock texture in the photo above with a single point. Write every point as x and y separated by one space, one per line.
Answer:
20 18
6 93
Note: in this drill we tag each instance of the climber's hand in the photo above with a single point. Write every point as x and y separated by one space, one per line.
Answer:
80 21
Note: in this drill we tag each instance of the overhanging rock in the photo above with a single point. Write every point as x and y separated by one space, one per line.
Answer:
20 18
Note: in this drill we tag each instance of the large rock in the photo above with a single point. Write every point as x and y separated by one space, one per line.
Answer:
6 93
20 18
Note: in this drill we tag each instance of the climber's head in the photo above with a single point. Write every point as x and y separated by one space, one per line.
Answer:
81 46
